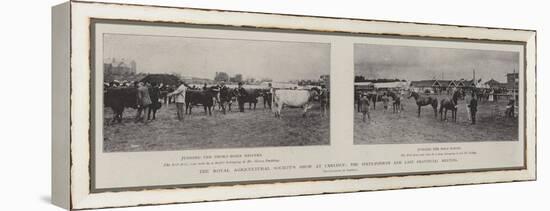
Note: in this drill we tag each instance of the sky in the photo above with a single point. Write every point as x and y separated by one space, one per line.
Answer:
425 63
203 57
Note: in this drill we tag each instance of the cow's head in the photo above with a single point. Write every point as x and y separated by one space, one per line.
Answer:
315 93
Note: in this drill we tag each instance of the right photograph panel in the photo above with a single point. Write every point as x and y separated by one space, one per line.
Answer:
413 95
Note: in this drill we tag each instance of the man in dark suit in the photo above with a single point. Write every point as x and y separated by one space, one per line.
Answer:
154 94
241 95
473 108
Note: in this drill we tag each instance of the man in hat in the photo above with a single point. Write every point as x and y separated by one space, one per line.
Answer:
143 99
364 105
473 108
324 100
241 96
510 108
268 96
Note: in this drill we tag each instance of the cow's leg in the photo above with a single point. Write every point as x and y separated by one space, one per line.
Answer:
275 108
120 116
115 117
305 110
278 108
188 108
118 113
419 111
115 114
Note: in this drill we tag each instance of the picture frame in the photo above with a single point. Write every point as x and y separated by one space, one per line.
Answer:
102 158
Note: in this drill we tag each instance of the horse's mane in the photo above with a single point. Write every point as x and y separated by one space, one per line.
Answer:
414 94
456 95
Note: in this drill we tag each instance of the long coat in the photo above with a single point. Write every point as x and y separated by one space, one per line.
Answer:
154 93
143 96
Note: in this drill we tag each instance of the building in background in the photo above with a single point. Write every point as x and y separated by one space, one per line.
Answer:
512 80
122 66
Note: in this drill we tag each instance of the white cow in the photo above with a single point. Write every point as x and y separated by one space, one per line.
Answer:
293 98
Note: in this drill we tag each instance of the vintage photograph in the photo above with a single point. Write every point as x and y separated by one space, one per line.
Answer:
165 93
407 94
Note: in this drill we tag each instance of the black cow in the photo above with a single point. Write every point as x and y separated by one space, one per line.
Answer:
226 97
250 96
118 99
200 97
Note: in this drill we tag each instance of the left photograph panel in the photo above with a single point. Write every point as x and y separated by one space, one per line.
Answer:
171 93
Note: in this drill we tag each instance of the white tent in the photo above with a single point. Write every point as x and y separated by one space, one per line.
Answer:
392 85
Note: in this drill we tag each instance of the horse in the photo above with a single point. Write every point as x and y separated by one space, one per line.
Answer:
450 104
423 101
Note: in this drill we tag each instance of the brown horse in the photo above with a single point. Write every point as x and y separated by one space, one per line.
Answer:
423 101
450 104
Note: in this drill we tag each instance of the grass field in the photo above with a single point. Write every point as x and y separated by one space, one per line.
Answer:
254 128
406 127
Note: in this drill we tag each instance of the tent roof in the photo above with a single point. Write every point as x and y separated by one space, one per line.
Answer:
363 83
397 84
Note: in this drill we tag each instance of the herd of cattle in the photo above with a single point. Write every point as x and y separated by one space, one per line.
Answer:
210 98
